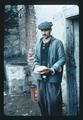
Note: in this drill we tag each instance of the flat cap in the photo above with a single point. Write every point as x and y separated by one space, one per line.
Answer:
45 25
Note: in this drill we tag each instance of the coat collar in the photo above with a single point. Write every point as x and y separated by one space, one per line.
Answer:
52 39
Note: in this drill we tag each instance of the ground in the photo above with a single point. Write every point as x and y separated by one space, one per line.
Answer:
20 105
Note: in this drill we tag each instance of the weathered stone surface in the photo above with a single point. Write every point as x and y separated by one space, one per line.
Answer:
27 31
11 37
20 105
16 77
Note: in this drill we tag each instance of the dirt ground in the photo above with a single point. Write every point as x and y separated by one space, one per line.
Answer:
20 105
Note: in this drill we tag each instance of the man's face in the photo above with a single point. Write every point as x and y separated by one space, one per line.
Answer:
45 33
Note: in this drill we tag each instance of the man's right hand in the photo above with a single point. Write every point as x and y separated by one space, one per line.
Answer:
40 69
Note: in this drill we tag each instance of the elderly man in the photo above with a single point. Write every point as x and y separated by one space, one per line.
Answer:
48 62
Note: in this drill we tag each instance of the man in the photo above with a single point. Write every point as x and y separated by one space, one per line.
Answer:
48 62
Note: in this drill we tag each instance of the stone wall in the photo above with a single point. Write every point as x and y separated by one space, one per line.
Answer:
31 33
19 43
27 30
16 78
22 29
11 40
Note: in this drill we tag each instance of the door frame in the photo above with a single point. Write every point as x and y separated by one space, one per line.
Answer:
71 68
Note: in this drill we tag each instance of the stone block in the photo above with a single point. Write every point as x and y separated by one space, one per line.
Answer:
16 78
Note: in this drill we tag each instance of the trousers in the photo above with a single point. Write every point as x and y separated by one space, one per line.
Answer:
50 98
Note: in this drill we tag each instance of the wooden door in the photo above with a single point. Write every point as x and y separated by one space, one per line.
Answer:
76 55
72 65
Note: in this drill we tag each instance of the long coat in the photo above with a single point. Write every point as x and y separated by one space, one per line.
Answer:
50 92
56 58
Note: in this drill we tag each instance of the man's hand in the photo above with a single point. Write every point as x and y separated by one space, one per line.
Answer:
43 70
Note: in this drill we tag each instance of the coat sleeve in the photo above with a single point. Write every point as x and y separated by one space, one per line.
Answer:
61 57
